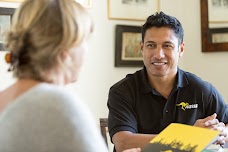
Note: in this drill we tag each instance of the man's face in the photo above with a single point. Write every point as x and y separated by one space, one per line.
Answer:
161 52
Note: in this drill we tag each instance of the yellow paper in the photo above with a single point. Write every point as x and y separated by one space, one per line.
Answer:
185 137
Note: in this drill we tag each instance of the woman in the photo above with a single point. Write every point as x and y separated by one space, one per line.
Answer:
47 43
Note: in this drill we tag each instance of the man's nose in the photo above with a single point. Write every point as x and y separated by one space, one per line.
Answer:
159 53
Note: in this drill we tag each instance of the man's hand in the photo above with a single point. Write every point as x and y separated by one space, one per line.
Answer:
133 150
221 127
207 122
211 122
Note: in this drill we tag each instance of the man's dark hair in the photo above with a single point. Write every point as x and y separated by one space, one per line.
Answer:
163 20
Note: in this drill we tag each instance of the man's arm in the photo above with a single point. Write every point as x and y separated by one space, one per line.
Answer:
126 140
211 122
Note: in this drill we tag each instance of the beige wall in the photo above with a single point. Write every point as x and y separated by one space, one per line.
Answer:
5 77
99 72
209 66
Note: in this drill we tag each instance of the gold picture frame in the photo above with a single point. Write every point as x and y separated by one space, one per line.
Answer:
132 10
18 1
86 3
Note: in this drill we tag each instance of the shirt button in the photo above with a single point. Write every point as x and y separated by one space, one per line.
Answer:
166 111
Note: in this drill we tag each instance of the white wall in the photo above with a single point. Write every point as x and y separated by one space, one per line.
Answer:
5 77
99 72
209 66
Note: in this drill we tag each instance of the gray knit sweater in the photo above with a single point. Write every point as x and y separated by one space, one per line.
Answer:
48 119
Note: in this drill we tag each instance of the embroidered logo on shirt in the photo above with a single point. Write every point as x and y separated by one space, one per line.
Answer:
185 105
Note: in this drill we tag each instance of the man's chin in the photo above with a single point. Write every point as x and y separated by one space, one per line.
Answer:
159 73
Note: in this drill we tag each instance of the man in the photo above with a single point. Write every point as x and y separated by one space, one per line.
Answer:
144 103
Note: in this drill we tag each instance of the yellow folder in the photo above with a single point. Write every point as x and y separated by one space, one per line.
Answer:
180 137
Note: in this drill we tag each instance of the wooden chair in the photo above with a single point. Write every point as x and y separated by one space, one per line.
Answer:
104 129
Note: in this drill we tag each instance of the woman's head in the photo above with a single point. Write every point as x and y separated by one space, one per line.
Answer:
45 39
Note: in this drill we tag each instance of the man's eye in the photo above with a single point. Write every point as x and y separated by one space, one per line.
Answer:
168 46
150 45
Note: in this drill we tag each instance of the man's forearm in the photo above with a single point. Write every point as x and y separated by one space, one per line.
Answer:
125 140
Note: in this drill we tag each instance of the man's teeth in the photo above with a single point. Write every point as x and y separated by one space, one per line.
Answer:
158 63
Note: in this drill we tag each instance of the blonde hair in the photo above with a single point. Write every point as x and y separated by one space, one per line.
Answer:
41 31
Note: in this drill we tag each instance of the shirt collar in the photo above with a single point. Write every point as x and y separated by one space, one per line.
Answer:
182 80
146 88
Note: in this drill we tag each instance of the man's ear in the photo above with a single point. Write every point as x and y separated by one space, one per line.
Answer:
141 46
181 49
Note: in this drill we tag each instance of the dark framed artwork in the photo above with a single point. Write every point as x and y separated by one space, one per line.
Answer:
5 20
214 25
127 46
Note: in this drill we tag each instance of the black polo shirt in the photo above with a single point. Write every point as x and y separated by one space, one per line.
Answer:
136 107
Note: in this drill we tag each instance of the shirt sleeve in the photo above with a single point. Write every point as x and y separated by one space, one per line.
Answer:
218 106
122 116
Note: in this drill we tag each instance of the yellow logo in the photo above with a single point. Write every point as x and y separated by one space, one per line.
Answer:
166 151
183 105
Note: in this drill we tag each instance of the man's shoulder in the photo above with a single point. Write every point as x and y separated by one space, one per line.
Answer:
195 80
193 77
129 80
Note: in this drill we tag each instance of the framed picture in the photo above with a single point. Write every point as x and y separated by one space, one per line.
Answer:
137 10
214 35
12 0
5 20
218 11
219 35
127 46
86 3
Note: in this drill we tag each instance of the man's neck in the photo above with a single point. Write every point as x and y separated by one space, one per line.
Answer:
163 85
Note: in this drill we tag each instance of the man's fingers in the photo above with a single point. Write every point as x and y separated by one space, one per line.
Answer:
133 150
210 117
223 133
221 140
220 127
211 122
207 122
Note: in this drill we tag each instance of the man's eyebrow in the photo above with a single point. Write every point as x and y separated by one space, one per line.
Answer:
150 42
168 42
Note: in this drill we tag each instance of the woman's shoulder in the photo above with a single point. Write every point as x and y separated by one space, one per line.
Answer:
50 112
46 102
47 97
52 95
